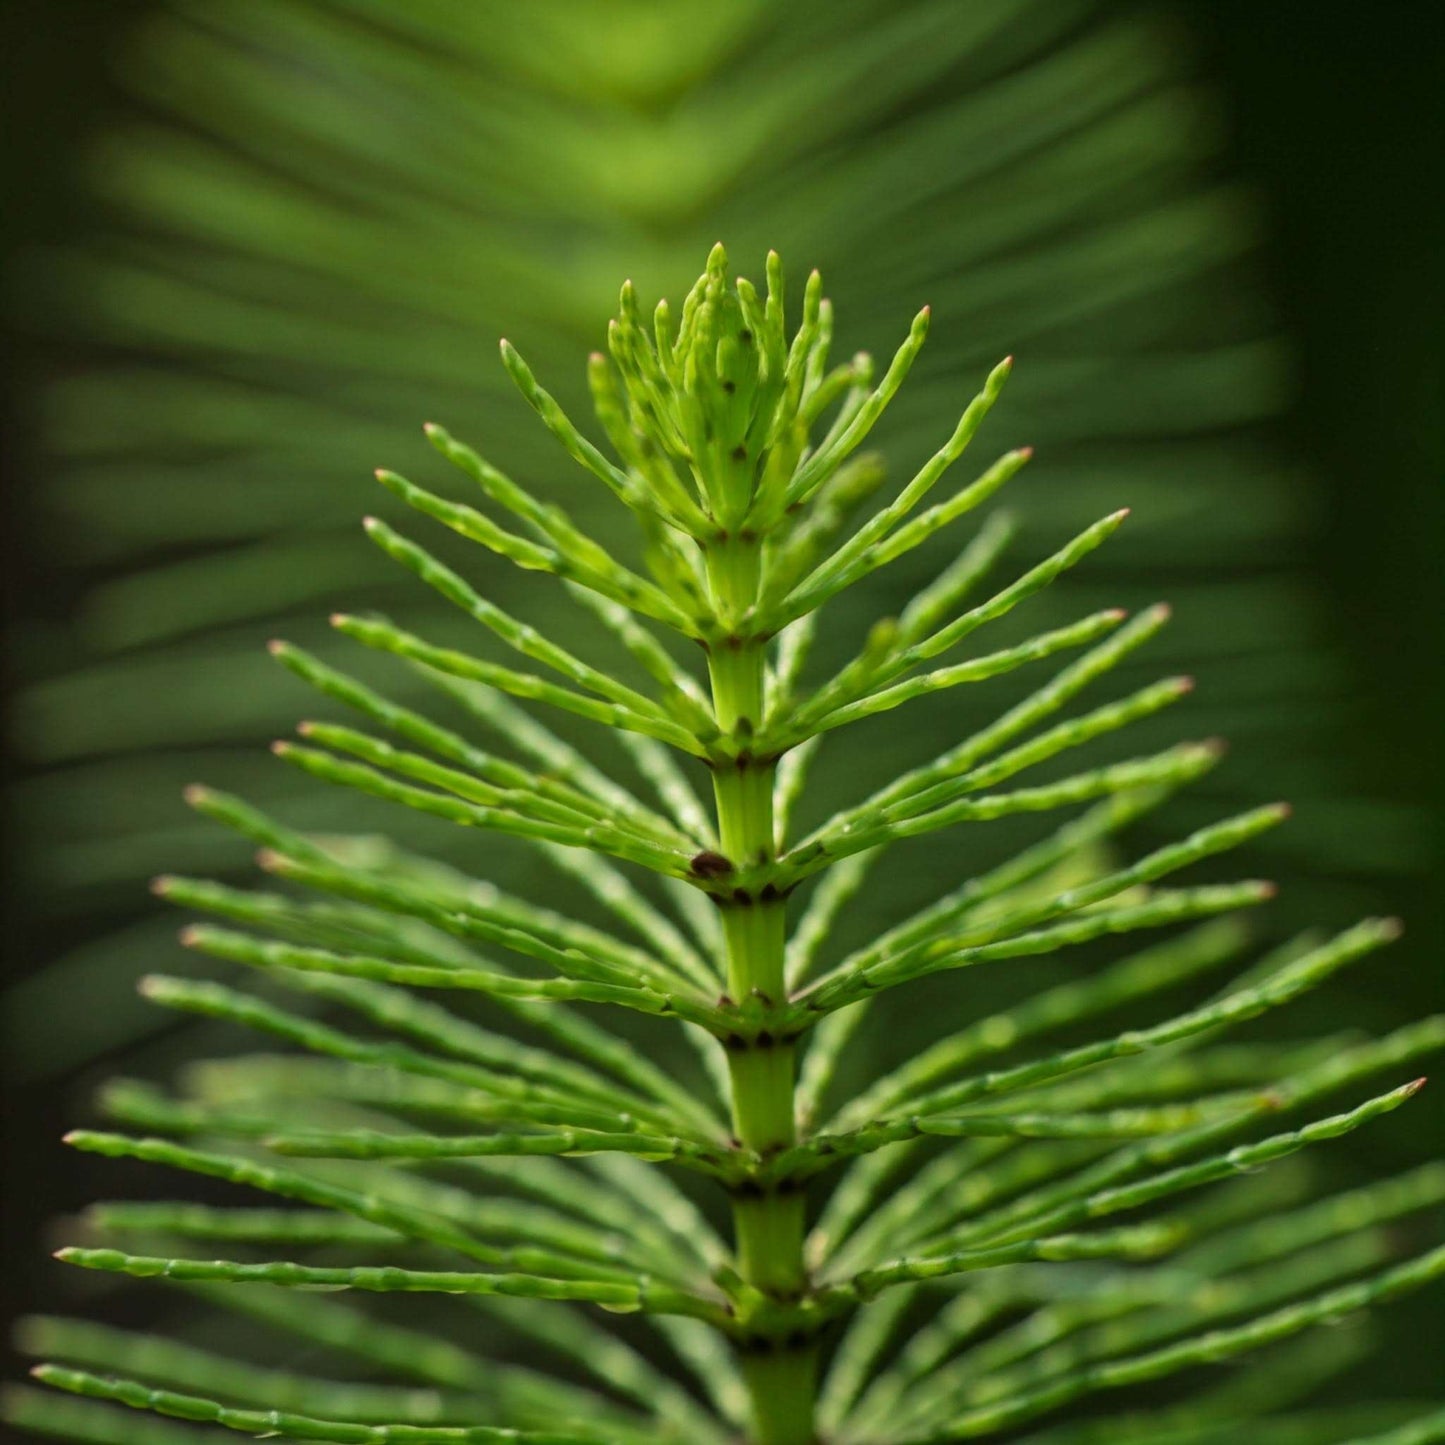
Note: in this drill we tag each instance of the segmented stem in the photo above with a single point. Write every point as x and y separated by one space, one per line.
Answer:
768 1222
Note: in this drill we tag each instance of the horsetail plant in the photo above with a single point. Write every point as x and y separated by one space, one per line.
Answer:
969 1243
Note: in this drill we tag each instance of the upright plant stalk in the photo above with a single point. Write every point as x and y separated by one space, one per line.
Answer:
768 1221
1037 1187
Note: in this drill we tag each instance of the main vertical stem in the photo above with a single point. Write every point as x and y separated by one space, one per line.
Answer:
769 1224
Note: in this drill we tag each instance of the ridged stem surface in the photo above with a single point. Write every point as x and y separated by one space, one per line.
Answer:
768 1224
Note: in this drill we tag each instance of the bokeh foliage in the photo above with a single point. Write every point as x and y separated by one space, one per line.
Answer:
325 213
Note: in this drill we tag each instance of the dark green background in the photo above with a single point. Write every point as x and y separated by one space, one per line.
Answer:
1336 117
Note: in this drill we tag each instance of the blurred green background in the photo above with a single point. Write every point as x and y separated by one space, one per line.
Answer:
249 248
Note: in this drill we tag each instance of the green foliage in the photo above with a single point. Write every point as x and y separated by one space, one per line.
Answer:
310 219
950 1248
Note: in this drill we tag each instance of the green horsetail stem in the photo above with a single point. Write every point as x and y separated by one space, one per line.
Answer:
297 1427
1051 1150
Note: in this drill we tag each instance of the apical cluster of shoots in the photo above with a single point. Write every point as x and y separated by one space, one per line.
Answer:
975 1239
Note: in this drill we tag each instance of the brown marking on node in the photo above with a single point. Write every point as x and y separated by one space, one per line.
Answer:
708 864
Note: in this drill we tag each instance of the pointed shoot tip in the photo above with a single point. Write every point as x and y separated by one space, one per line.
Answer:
195 794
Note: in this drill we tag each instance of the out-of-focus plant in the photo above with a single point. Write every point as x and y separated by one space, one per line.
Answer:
322 213
948 1249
